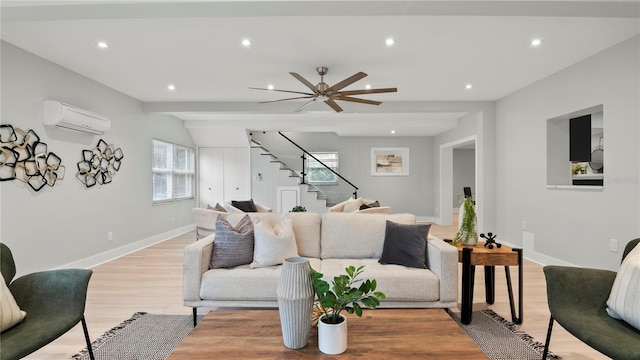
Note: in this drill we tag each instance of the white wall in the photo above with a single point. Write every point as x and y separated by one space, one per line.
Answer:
478 126
572 226
413 193
464 174
68 223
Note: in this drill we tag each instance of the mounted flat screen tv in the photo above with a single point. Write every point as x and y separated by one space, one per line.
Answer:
580 139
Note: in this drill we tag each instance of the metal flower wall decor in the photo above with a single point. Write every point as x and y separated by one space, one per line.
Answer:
99 165
25 158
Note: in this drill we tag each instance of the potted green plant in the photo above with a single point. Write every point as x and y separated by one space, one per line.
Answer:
468 232
298 208
342 295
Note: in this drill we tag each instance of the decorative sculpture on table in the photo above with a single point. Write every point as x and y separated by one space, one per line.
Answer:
25 158
99 165
491 240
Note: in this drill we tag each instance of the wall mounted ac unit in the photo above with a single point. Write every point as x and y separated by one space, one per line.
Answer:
70 117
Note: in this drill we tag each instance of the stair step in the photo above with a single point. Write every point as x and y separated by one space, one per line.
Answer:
256 142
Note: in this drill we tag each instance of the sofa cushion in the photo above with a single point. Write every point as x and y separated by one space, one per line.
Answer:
10 312
306 227
397 282
243 283
217 207
232 246
352 205
273 244
356 236
624 300
405 244
245 205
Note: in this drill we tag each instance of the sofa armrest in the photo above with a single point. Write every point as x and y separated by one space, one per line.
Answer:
196 262
375 210
262 208
443 261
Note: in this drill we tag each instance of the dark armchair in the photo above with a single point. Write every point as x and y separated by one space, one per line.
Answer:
54 301
577 300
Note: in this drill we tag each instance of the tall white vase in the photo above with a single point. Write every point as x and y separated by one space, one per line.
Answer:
295 301
332 338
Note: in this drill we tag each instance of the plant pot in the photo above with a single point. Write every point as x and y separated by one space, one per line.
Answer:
295 301
332 338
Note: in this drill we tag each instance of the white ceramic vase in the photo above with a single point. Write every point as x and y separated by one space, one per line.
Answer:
295 301
332 338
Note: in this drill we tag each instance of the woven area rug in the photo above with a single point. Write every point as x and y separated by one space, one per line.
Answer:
500 339
154 337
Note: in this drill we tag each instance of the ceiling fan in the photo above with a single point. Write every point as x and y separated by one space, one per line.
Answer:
329 94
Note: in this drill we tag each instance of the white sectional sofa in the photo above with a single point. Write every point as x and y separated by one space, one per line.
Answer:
331 241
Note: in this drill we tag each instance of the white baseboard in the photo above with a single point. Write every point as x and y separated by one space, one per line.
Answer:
530 254
121 251
430 219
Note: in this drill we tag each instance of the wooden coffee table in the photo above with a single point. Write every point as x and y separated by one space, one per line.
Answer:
378 334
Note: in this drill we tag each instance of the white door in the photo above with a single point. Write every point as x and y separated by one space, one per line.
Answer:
237 174
210 176
288 197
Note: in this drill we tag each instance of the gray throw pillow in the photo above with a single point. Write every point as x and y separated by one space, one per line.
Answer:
405 244
232 246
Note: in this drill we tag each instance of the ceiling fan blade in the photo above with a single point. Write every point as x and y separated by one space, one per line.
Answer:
304 81
357 100
306 104
366 91
293 98
346 82
287 91
333 105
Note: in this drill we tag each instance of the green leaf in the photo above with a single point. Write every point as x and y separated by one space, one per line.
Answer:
357 309
380 295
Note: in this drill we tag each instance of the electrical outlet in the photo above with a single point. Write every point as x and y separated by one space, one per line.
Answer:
173 220
109 236
524 224
613 245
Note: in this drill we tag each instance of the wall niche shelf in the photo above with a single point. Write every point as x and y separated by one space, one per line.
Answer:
561 139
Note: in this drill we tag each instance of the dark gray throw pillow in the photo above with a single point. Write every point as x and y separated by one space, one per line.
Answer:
232 246
370 205
405 244
246 206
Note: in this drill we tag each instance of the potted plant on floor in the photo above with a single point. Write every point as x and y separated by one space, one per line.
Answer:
342 295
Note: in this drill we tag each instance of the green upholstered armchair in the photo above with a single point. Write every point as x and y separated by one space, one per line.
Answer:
577 300
54 301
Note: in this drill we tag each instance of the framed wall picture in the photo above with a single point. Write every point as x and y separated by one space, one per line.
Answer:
390 161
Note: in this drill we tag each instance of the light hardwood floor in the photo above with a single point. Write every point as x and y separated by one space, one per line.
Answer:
150 280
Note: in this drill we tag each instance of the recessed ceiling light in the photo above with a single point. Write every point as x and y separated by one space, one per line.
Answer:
368 86
536 42
171 87
468 86
270 87
246 42
393 131
389 41
103 45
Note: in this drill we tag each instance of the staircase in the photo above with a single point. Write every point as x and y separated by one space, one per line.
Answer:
269 173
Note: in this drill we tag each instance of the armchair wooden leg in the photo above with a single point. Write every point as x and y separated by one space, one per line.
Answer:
195 316
87 339
546 344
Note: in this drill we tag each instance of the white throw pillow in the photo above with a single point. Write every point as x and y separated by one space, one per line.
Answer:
273 244
352 205
624 300
10 313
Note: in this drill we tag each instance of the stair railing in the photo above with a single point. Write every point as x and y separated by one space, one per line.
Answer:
304 159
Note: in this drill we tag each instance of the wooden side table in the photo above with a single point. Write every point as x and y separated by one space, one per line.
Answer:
470 256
